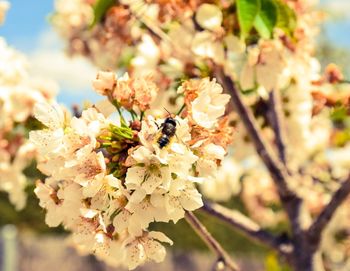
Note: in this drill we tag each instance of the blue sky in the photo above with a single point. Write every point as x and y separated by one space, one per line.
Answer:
25 20
27 29
339 32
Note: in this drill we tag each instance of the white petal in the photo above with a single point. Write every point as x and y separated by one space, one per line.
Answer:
192 200
215 151
157 200
142 154
178 148
154 250
53 218
135 255
209 16
160 237
135 227
199 180
135 175
137 196
92 187
153 181
47 141
88 213
121 221
50 115
113 181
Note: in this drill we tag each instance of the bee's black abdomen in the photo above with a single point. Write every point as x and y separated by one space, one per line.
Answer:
168 131
163 141
169 127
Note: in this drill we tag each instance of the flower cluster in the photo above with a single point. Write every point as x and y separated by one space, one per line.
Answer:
125 33
132 94
109 180
76 22
177 40
18 94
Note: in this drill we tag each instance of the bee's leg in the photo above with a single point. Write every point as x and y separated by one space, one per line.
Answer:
179 139
167 111
158 125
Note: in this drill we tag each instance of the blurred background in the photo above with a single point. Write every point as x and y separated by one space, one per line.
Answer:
27 29
28 246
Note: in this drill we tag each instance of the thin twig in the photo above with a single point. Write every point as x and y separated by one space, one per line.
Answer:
275 118
248 227
210 241
320 223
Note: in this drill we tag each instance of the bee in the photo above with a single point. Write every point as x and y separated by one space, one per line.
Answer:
168 131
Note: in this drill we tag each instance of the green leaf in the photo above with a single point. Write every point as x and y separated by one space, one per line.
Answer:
260 26
286 17
267 18
247 10
100 9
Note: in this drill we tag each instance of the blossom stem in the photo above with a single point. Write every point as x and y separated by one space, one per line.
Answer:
181 109
133 114
316 229
117 106
211 242
248 227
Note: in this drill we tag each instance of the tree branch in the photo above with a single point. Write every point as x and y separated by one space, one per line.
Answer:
275 118
248 227
276 169
210 241
320 223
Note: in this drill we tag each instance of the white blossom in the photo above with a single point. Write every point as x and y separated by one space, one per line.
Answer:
209 16
210 103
